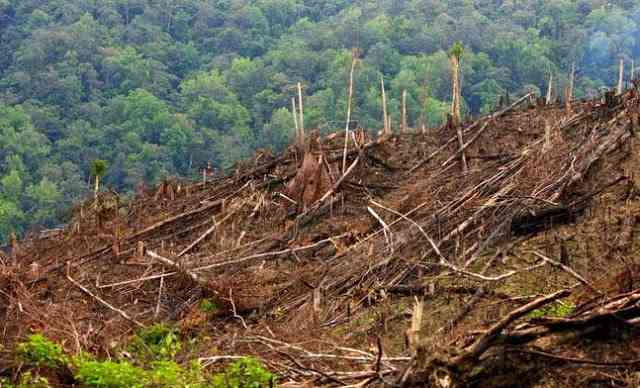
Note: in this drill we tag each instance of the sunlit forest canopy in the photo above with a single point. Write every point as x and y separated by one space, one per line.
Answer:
162 88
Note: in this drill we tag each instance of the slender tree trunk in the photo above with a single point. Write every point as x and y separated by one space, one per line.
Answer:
96 186
404 111
621 77
567 101
550 90
572 81
300 106
633 70
455 104
354 59
387 127
294 111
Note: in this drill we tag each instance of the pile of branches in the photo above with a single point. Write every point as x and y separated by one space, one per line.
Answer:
316 236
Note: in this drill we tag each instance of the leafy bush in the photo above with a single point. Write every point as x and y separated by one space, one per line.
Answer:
170 374
157 342
110 374
245 373
39 351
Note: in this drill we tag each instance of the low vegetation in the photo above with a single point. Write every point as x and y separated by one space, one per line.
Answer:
151 365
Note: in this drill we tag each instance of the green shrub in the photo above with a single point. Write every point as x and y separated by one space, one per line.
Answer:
157 342
38 351
245 373
170 374
110 374
208 305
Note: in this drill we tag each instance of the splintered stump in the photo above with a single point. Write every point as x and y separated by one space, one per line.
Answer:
311 181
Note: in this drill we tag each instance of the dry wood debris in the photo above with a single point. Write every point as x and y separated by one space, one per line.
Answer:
318 265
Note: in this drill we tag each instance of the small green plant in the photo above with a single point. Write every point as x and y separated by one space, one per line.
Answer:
556 310
38 351
110 374
157 342
244 373
208 305
170 374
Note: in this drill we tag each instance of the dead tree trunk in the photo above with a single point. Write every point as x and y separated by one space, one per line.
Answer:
550 90
621 78
354 59
455 104
300 106
387 125
404 111
567 101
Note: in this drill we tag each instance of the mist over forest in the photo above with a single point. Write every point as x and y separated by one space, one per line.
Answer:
161 88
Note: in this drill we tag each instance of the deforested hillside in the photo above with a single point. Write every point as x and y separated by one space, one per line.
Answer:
501 253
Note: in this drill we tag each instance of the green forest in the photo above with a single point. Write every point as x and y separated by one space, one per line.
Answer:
161 88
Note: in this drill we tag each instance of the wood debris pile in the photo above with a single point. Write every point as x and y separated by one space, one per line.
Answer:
402 267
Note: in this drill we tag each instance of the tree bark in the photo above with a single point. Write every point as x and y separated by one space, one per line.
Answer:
550 90
97 186
300 106
455 104
621 77
387 127
354 59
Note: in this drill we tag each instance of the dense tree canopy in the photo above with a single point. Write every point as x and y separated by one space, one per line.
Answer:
160 88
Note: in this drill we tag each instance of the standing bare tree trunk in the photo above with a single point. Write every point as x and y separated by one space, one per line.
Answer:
301 123
455 104
96 186
550 90
354 59
633 70
294 111
387 125
404 111
621 77
567 101
456 54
